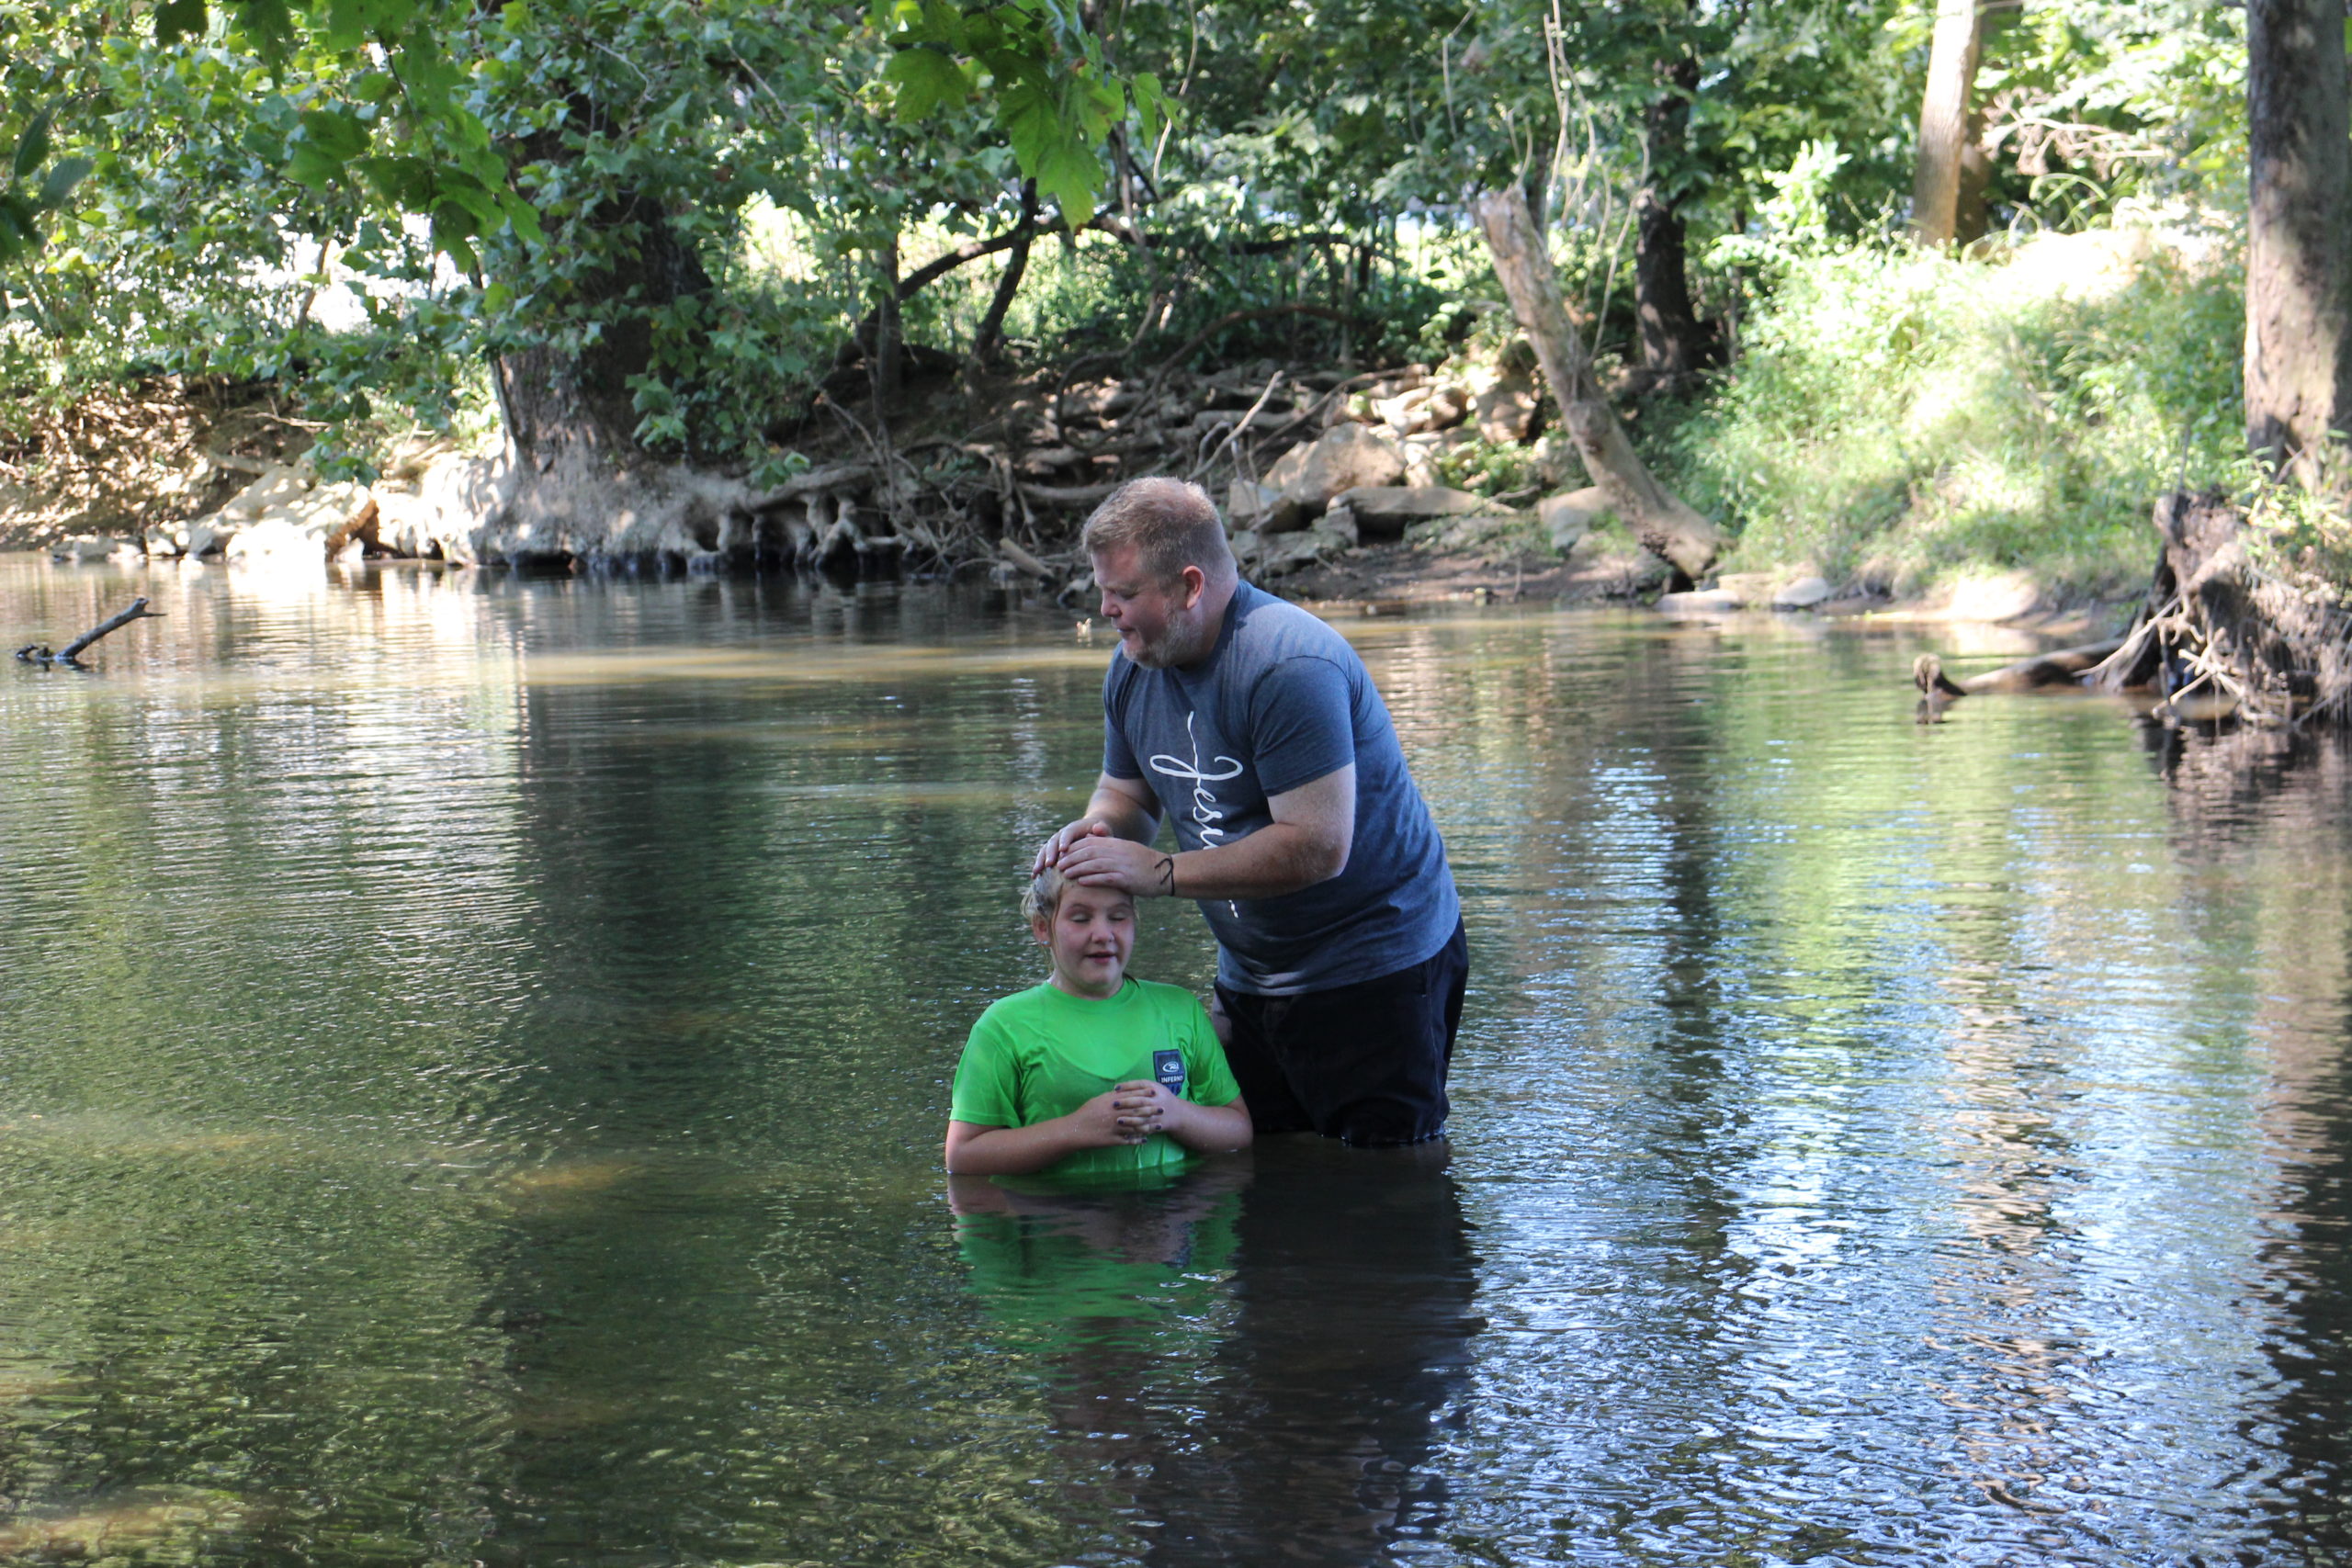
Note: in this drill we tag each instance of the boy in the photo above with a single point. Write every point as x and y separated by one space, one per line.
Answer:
1092 1073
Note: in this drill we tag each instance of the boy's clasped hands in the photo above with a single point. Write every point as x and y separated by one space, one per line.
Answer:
1134 1112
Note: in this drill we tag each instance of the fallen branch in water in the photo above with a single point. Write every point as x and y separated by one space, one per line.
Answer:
38 653
2065 666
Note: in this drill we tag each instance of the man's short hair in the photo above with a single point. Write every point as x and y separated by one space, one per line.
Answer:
1170 524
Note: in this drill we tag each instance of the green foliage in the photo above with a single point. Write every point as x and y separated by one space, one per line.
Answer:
1487 468
1898 417
32 189
2095 105
2298 535
368 199
1056 99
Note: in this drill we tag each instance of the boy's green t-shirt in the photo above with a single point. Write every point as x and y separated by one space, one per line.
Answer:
1043 1053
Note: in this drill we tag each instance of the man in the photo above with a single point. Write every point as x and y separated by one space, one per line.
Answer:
1341 958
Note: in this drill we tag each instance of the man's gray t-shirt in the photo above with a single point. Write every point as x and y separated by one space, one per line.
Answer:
1282 700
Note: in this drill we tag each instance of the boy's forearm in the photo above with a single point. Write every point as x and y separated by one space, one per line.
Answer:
1015 1151
1212 1129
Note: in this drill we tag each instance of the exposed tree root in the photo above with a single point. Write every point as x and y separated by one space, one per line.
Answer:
2220 636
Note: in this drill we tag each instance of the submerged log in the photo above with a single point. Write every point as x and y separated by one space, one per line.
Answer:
2062 667
2218 637
38 653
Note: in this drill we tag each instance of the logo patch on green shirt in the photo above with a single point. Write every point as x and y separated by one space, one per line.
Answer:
1167 1067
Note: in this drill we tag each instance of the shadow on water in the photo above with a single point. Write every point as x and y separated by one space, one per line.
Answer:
2260 816
1254 1364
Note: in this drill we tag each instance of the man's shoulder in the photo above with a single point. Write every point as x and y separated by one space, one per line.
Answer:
1270 631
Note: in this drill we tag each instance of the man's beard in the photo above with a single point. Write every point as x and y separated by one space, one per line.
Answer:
1178 644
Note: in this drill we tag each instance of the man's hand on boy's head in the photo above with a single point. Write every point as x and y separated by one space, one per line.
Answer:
1051 852
1106 861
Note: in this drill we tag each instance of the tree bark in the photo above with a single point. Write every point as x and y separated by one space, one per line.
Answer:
555 400
886 365
990 337
1952 56
1674 343
1665 524
1971 209
2299 235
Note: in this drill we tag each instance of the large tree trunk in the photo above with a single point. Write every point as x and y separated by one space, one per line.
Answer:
2298 237
1674 343
553 398
574 482
1665 525
1944 122
1971 211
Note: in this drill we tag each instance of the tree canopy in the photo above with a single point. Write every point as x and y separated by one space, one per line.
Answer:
689 216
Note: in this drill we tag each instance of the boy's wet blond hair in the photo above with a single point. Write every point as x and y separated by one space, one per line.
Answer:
1042 899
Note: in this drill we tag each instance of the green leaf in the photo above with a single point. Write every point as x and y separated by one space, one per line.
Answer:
479 204
32 147
270 25
330 139
64 176
451 237
17 234
1151 105
1050 147
177 19
523 217
925 78
405 182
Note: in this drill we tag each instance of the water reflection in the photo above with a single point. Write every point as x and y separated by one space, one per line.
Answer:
472 1052
1256 1362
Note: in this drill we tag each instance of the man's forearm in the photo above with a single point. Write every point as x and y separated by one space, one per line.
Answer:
1279 857
1127 817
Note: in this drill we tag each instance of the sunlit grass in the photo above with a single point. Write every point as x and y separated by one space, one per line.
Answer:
1898 419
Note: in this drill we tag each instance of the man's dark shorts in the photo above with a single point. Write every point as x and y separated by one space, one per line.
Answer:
1365 1062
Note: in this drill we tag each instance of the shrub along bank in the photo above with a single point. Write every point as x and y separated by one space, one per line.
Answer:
1897 421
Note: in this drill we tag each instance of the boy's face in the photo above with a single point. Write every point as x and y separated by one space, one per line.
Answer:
1089 937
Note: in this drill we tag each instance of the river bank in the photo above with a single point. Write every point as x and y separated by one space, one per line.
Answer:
168 469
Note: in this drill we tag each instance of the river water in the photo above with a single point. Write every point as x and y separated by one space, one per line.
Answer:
473 1053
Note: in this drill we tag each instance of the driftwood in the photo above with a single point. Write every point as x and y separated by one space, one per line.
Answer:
2220 636
2064 667
38 653
1665 524
1025 561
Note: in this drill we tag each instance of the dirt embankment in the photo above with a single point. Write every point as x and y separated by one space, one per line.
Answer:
120 460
